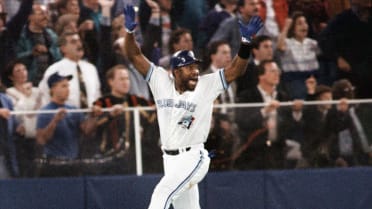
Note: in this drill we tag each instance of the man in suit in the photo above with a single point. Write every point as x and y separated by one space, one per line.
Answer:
262 130
262 49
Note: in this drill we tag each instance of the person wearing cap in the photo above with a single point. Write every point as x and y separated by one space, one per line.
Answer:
60 133
85 86
184 102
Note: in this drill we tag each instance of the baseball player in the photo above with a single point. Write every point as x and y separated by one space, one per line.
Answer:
184 102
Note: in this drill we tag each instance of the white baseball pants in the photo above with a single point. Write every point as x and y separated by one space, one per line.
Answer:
179 185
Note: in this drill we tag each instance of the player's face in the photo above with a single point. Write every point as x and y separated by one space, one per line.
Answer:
188 76
120 83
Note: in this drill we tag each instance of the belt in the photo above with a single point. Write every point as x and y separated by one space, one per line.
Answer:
176 151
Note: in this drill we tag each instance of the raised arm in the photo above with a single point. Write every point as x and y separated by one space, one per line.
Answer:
131 48
240 61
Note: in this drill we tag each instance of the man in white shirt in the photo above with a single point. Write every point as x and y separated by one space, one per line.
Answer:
84 86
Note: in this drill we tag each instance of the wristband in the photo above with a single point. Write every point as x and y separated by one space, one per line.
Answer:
244 51
129 31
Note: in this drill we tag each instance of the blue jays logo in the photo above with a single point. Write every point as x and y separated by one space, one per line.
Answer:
186 121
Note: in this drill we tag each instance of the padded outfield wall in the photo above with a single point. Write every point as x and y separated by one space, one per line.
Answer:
349 188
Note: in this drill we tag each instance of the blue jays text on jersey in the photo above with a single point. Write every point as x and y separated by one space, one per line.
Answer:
163 103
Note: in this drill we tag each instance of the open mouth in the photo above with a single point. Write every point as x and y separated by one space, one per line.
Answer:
193 81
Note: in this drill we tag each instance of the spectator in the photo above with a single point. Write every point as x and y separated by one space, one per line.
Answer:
350 144
263 130
347 42
210 23
115 132
37 45
156 26
220 58
138 85
10 30
262 49
317 127
66 24
228 29
8 162
180 39
60 133
298 55
335 7
224 134
68 7
24 97
315 12
85 84
188 14
274 13
94 15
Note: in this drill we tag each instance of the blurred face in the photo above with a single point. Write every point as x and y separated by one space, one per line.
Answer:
72 7
249 9
265 51
271 76
120 83
60 91
185 43
301 28
222 58
326 96
71 27
19 74
73 48
39 17
187 77
362 9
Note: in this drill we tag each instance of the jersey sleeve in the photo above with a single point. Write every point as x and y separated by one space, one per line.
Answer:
213 84
159 80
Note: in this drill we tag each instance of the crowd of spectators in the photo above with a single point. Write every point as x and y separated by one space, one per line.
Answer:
68 54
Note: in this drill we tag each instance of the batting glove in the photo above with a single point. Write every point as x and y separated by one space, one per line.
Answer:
249 31
130 16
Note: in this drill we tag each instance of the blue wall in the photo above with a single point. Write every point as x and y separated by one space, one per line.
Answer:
349 188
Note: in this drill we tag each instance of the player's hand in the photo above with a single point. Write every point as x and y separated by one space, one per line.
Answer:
249 31
129 16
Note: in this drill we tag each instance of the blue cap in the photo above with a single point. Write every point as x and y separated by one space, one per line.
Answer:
55 78
183 58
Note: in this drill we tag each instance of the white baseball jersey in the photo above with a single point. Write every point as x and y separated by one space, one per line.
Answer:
184 119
